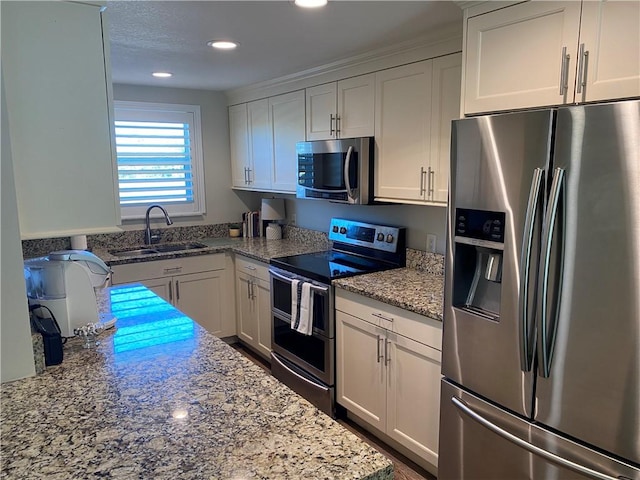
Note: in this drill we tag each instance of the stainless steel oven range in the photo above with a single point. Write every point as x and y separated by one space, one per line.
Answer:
306 363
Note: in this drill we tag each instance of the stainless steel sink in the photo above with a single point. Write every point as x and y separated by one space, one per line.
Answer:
133 253
177 247
166 248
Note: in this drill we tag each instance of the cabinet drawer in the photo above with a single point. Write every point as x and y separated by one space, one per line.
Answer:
403 322
252 267
135 272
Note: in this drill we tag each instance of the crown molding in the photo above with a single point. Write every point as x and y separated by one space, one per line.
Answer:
444 40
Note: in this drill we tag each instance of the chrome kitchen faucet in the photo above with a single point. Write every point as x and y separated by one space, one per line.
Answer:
148 238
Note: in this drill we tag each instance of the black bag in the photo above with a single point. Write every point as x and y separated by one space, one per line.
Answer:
51 334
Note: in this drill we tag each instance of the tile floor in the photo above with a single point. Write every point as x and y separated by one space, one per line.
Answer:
404 468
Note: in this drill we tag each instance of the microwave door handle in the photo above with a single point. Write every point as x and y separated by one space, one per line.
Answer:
347 162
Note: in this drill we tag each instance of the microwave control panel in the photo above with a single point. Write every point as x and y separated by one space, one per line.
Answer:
379 237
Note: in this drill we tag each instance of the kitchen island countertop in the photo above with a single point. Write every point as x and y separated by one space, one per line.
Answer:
161 398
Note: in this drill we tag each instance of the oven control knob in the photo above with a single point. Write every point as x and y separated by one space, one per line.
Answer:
380 237
335 229
389 238
343 230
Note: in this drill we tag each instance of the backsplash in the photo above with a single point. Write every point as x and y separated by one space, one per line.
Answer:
124 239
431 263
303 235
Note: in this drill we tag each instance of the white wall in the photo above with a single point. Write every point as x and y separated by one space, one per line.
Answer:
223 204
16 351
418 219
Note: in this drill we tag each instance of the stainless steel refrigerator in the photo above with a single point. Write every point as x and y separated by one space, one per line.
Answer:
541 340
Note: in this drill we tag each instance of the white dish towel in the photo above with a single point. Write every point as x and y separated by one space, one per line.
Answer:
301 307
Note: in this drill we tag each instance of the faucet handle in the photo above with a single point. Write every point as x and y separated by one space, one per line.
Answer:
155 238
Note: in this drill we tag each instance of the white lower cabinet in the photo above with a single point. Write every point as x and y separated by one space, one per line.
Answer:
253 305
388 372
198 286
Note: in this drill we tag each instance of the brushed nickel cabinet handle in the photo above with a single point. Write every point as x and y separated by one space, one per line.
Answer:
387 359
431 181
379 350
422 189
564 72
177 291
331 129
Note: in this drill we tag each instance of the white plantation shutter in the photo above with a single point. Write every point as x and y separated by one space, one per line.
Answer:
159 158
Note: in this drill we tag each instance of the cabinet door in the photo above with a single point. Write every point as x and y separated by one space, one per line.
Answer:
356 106
60 125
163 287
262 298
200 297
260 145
287 121
239 144
402 131
610 33
360 371
321 111
445 107
245 310
413 398
514 56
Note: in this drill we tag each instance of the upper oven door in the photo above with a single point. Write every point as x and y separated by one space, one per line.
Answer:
336 170
322 300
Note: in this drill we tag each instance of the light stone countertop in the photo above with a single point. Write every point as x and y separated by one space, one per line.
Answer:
259 249
407 288
160 398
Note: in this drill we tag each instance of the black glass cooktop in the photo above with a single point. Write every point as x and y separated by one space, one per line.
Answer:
329 265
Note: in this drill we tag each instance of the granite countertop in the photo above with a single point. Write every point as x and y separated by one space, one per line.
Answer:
259 249
407 288
161 398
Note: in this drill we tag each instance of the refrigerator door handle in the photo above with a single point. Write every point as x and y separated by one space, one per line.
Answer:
533 208
546 339
552 457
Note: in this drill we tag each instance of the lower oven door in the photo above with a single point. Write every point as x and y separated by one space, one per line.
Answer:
313 353
316 392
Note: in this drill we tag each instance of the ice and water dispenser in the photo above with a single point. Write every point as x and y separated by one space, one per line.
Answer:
478 258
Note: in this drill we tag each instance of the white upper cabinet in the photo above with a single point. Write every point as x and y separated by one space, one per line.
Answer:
415 105
260 145
263 136
539 53
342 109
239 145
610 49
59 104
445 107
286 113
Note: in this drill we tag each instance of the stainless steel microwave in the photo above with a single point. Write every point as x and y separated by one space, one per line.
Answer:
336 170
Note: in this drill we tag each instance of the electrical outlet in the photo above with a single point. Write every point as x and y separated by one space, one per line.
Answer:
431 243
293 219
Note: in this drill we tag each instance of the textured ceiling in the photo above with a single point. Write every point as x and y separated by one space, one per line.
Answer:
275 38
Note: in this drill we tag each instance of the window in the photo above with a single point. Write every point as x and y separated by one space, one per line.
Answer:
159 150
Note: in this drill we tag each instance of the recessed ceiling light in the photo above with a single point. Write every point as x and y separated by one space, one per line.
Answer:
162 74
311 3
222 44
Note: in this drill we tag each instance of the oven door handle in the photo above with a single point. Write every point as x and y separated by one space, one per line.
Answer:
323 290
293 372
